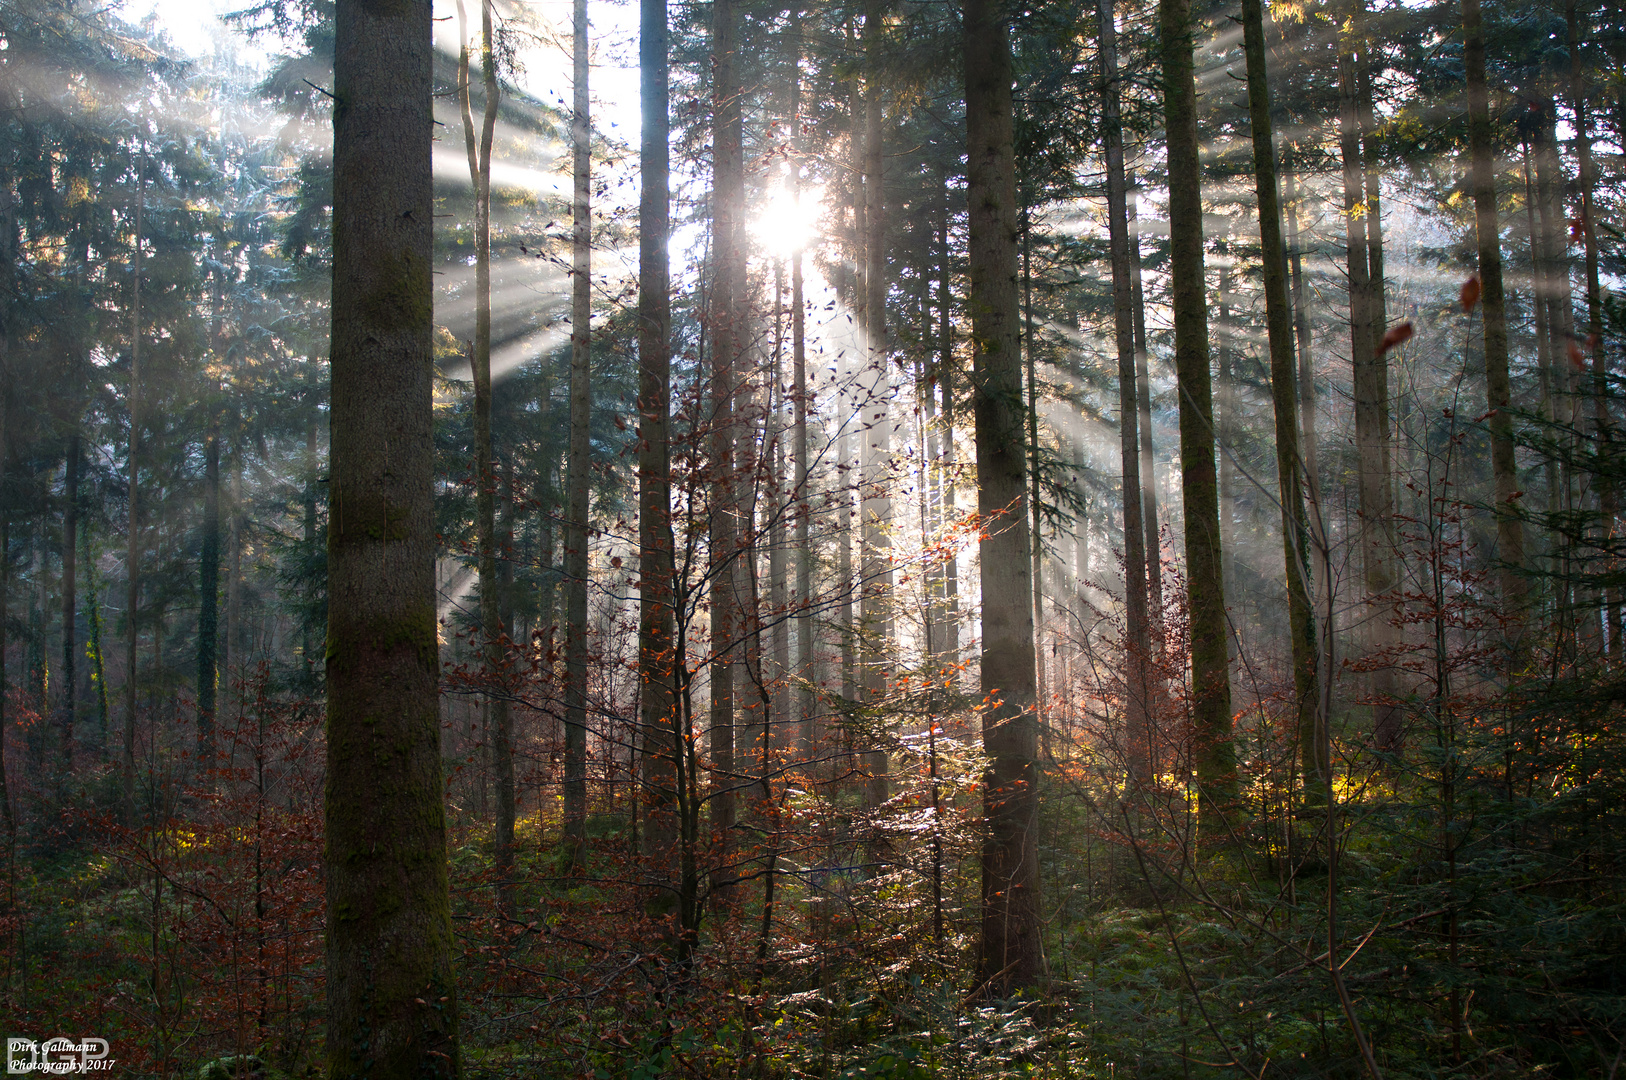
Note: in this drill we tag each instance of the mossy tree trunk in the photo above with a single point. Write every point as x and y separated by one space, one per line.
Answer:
392 1008
1009 956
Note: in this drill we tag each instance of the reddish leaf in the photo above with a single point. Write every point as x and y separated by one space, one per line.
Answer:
1470 293
1396 335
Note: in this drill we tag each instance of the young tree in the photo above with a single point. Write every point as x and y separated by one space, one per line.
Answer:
392 1005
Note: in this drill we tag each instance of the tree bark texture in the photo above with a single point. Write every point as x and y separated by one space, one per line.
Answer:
1213 753
659 733
727 326
1009 955
392 1007
1284 398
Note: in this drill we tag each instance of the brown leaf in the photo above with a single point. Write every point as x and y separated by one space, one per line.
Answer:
1396 335
1470 293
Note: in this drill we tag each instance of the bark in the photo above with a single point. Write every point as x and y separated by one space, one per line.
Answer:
876 428
1009 955
659 732
727 335
1284 399
578 474
1498 392
391 994
1214 754
1138 704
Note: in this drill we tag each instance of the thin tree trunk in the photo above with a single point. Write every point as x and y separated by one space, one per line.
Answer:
391 994
1138 704
1214 754
1295 527
1148 451
578 475
1010 954
1482 172
132 558
68 702
949 471
493 648
209 556
1371 378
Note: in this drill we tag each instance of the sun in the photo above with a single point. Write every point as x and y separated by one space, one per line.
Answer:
789 221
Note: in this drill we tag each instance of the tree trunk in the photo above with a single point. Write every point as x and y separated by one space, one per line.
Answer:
132 556
727 335
1137 705
875 430
209 555
1498 391
1148 450
1010 952
949 472
578 470
68 701
1608 496
391 995
1215 757
493 647
1284 399
659 732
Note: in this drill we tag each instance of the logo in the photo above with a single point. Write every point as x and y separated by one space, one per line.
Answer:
57 1056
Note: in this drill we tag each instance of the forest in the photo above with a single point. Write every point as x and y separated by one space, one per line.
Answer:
845 539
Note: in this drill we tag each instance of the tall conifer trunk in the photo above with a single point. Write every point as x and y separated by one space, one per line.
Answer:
1137 709
726 324
1283 386
577 471
391 995
1214 754
876 427
660 735
1498 390
1009 954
